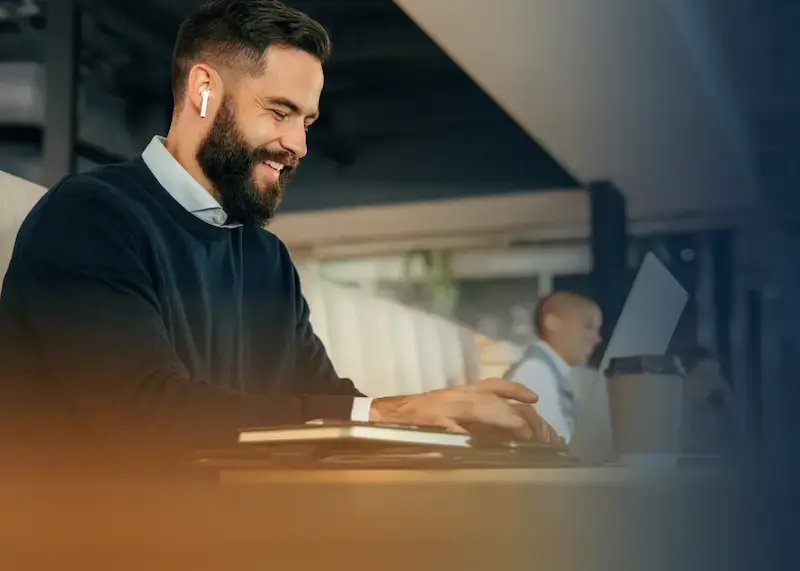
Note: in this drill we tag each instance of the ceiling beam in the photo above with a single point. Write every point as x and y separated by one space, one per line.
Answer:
142 22
618 90
378 78
327 11
384 42
498 215
364 56
411 112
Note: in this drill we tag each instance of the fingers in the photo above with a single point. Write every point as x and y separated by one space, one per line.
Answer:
506 389
492 411
484 403
522 420
540 428
453 426
538 425
554 437
549 435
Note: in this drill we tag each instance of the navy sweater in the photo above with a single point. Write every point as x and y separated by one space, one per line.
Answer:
122 313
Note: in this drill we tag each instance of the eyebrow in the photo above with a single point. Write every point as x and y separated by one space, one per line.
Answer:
290 105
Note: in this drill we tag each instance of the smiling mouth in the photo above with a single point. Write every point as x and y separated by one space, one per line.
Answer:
276 166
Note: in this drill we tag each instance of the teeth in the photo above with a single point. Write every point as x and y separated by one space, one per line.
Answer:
276 166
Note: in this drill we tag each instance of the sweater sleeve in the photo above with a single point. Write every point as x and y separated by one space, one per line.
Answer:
79 275
314 370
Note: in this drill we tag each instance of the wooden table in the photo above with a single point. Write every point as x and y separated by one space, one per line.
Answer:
553 519
495 477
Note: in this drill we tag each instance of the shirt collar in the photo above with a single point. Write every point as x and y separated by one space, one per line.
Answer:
562 366
182 186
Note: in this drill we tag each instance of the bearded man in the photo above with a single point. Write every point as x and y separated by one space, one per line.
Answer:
146 306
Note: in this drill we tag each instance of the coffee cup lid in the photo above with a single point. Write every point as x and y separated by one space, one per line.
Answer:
645 364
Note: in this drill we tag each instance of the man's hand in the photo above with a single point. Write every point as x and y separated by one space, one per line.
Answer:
480 404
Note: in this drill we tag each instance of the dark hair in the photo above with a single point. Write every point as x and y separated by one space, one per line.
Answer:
237 33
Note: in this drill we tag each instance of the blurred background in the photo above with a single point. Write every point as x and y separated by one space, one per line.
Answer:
475 155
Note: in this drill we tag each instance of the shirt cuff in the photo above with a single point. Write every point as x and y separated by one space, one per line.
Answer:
360 411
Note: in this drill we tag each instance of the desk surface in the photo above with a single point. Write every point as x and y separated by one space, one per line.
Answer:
364 526
497 476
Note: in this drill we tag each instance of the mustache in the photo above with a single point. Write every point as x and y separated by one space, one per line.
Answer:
286 158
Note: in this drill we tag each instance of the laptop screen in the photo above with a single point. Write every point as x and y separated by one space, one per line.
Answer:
645 327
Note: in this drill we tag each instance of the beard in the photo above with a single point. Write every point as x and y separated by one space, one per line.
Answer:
229 163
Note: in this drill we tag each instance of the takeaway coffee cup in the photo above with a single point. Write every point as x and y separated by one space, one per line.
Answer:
645 400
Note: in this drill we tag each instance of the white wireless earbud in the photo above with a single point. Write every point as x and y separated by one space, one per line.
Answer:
204 103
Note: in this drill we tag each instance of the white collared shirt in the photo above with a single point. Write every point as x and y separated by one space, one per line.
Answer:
536 375
191 195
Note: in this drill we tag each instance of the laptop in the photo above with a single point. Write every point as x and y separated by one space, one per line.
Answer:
382 435
645 327
350 445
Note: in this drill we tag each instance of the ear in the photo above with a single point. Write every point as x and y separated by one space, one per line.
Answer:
551 322
204 90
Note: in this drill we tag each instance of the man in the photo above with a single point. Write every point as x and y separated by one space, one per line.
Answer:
568 328
145 301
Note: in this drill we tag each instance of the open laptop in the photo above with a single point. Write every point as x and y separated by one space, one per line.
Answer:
645 327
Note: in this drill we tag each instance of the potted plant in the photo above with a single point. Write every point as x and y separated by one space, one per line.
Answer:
437 287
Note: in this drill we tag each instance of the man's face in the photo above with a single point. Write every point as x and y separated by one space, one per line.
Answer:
259 135
580 333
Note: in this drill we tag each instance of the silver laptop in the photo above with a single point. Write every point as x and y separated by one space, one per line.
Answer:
645 327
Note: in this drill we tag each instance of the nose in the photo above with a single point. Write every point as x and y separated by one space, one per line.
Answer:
294 141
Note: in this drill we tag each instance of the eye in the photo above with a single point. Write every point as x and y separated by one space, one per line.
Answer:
278 115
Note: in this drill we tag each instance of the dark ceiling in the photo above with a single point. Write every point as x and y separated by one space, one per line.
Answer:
386 80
